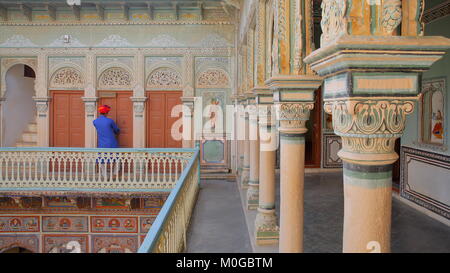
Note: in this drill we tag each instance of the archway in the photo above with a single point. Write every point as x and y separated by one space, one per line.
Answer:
17 249
19 103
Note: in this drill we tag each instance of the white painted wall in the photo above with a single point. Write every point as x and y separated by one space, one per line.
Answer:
19 107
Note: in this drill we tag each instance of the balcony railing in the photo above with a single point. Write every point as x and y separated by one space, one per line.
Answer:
168 232
84 168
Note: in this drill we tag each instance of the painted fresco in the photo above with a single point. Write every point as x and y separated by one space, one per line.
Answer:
155 202
65 244
19 223
60 202
8 203
106 224
64 223
111 203
146 223
30 242
114 244
433 111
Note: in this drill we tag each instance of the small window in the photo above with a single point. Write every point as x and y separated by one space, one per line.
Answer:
29 72
432 110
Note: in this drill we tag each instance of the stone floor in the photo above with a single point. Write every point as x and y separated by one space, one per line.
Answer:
219 222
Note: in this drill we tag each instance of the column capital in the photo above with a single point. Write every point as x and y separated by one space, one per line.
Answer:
293 116
369 127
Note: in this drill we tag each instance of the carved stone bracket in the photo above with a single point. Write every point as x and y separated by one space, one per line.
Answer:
138 106
90 106
42 106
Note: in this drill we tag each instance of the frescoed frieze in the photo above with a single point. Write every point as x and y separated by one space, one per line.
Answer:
106 224
64 223
29 242
146 223
65 244
111 203
60 202
114 244
19 223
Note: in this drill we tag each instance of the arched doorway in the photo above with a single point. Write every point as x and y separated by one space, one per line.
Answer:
17 249
19 103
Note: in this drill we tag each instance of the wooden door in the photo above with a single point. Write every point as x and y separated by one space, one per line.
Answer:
122 113
67 119
313 138
159 120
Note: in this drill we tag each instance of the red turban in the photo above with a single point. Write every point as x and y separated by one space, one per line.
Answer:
104 109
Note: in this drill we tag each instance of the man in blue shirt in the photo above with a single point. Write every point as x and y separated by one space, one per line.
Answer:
106 136
106 129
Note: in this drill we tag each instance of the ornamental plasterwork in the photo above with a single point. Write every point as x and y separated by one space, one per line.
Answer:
56 63
333 21
293 115
369 125
115 78
67 78
155 62
213 78
213 40
60 42
165 79
204 63
392 15
165 40
114 40
18 41
104 63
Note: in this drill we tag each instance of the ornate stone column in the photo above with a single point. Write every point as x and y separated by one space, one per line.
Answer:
42 101
253 183
266 226
240 135
2 99
294 99
188 122
138 100
90 108
372 78
245 176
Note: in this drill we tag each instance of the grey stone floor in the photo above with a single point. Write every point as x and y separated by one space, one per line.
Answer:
218 223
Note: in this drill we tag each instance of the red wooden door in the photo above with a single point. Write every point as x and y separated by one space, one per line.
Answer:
122 113
159 120
67 119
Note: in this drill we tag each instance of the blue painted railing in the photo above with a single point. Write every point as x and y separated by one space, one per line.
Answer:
168 232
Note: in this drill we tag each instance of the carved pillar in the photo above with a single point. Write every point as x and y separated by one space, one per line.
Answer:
188 122
253 183
246 147
266 226
369 89
2 99
138 100
42 102
240 135
90 106
293 86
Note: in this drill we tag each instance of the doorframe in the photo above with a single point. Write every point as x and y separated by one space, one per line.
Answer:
317 134
147 110
52 105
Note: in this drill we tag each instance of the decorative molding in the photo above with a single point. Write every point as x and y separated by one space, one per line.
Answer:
165 40
114 40
213 41
115 78
213 78
436 13
329 158
437 160
165 78
333 21
18 41
67 78
293 116
60 42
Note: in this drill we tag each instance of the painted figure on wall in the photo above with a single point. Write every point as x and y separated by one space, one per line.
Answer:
437 118
438 128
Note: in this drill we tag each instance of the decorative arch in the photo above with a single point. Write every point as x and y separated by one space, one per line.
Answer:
7 63
213 78
114 78
67 78
165 78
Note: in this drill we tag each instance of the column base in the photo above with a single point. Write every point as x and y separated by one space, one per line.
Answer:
266 230
245 175
253 195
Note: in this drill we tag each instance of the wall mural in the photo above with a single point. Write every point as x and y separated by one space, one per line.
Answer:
433 111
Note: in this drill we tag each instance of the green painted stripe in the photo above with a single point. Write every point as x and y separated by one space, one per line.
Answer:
368 183
367 175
